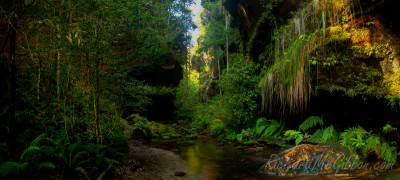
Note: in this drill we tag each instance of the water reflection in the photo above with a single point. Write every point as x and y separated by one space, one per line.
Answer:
205 160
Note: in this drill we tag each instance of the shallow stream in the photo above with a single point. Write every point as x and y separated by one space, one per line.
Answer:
207 159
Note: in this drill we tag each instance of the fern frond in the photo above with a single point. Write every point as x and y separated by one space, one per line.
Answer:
299 139
82 171
388 129
350 135
328 133
373 142
388 153
9 168
272 130
27 152
317 136
268 128
48 165
37 140
261 125
293 134
311 122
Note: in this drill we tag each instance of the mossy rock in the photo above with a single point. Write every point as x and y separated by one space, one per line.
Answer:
166 137
306 159
134 118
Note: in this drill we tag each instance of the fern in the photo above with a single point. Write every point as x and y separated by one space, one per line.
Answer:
358 142
299 139
350 135
261 124
311 122
294 135
388 153
328 133
45 165
373 143
11 168
388 129
32 148
268 128
28 152
317 136
73 154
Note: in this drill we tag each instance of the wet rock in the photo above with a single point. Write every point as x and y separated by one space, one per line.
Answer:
304 159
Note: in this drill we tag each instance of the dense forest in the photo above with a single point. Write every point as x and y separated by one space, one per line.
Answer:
105 89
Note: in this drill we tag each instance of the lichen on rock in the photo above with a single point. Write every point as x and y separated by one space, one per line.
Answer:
305 159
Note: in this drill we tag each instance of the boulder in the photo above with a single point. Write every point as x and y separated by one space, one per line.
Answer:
304 159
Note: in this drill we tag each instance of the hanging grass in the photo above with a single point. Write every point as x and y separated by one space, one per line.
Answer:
287 83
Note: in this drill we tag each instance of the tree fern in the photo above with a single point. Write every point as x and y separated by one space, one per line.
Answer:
311 122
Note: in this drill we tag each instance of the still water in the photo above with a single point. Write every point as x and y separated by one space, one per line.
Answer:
208 160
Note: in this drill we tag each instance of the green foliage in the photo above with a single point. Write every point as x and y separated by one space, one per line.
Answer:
394 101
12 169
294 135
239 91
245 135
351 136
187 95
310 122
32 161
216 127
388 152
364 142
317 136
237 104
328 133
268 128
388 129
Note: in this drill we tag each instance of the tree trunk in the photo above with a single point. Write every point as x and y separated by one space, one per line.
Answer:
58 73
96 99
227 42
13 84
219 74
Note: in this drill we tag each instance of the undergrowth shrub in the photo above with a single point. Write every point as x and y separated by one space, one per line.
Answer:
216 127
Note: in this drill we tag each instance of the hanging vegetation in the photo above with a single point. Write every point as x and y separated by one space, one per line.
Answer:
287 84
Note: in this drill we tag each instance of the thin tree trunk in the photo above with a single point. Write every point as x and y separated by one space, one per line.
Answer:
39 78
96 98
219 74
187 75
13 84
58 73
227 42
